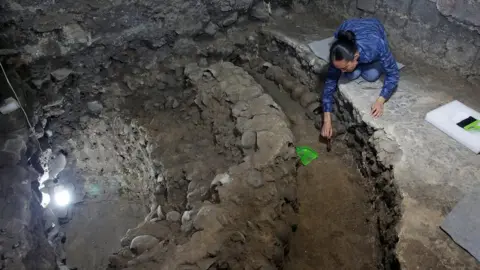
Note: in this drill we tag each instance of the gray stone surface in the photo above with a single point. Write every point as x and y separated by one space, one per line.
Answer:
367 5
462 10
460 50
425 12
400 6
463 223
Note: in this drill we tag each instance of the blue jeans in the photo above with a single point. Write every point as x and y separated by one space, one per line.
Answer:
369 72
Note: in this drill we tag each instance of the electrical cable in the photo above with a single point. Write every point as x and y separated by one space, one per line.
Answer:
32 130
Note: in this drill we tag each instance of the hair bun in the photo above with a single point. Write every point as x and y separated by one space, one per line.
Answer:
346 36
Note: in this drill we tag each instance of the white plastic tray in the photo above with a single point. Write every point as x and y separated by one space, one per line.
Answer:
446 118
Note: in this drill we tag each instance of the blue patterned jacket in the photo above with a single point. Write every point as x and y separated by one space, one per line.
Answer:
373 46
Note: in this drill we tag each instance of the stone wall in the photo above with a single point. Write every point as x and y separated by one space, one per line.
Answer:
444 33
22 242
43 29
237 218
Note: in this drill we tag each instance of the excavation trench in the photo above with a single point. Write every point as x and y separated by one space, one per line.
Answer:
183 157
329 216
369 209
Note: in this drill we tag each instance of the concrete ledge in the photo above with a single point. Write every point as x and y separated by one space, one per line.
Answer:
432 172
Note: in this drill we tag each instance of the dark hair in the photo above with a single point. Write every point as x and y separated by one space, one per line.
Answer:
344 48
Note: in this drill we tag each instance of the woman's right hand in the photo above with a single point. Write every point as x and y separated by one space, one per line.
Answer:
327 130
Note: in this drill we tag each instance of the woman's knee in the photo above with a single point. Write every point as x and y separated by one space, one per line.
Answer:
371 75
353 75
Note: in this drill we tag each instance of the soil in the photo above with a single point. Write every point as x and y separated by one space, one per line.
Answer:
336 225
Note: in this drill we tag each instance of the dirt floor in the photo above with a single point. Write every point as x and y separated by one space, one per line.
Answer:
335 230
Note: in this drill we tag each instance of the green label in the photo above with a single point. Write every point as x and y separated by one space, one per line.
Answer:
473 126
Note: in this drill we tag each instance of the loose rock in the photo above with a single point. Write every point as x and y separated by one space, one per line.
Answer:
249 139
255 178
230 19
298 92
289 86
203 62
308 98
160 214
143 243
211 29
260 12
95 107
61 74
174 216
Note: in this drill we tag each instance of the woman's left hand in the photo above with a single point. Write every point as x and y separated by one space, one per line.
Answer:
377 107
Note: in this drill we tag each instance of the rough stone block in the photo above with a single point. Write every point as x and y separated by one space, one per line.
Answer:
400 6
263 104
261 122
460 51
298 92
366 5
159 230
308 98
12 150
435 42
74 34
271 145
476 63
51 22
255 179
95 106
394 21
231 19
464 11
415 33
209 216
61 74
426 12
211 29
173 216
260 12
143 243
249 139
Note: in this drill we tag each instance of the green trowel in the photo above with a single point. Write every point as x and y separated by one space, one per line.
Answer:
306 154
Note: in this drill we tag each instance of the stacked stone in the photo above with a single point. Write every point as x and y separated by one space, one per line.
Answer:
23 244
243 209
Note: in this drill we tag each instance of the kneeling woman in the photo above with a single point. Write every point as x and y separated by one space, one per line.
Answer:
361 49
